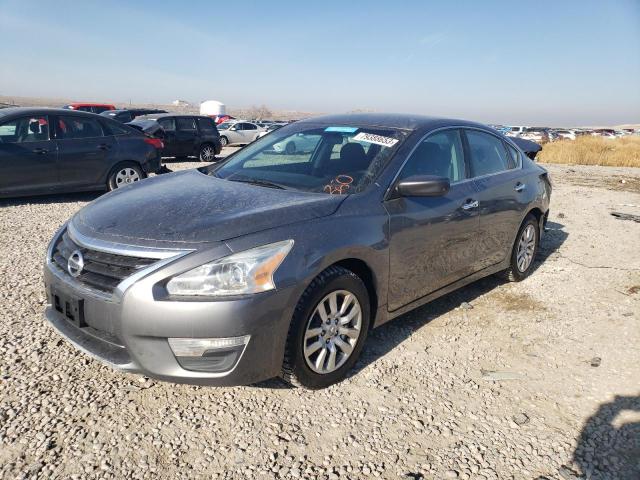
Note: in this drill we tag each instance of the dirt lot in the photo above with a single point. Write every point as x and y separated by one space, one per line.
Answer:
539 379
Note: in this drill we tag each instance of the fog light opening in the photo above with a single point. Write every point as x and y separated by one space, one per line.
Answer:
212 355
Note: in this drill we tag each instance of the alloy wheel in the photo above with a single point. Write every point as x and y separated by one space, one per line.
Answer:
333 329
526 248
207 154
125 176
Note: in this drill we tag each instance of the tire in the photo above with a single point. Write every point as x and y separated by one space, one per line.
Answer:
518 269
207 153
290 148
303 370
124 174
224 141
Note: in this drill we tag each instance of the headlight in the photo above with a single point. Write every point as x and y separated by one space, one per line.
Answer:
250 271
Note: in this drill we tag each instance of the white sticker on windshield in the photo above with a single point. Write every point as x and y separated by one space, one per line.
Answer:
377 139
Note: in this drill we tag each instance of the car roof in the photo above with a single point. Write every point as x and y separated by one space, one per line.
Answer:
401 121
85 104
155 116
5 112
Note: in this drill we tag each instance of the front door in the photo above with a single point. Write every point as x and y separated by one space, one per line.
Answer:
27 156
432 239
83 151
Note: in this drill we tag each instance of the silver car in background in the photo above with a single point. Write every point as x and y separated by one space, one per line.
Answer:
238 132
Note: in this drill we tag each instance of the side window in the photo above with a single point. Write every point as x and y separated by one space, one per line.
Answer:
249 126
240 126
440 154
25 129
79 127
185 123
206 125
514 157
488 154
168 124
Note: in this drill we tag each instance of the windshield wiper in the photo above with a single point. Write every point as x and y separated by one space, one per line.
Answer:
257 181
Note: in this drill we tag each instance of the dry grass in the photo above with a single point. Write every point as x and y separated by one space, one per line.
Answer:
619 152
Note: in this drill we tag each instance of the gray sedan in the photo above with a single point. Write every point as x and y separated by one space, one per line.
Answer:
270 264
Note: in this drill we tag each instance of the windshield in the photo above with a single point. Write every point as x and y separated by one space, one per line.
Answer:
224 126
336 160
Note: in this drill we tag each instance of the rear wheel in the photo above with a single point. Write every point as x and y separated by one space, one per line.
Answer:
207 153
524 250
124 174
328 330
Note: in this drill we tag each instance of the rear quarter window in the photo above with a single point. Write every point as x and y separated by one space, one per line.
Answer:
114 128
515 160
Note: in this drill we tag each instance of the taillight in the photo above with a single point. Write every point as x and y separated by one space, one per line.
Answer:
156 142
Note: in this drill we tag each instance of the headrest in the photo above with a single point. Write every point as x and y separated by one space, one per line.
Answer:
353 157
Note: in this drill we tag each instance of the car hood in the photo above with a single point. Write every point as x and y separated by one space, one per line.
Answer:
191 207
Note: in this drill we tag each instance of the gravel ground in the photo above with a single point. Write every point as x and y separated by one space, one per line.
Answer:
538 379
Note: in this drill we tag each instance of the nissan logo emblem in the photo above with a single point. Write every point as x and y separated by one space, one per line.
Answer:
75 264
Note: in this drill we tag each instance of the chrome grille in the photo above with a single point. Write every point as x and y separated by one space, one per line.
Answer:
102 271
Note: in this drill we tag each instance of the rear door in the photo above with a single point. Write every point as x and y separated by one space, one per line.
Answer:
84 148
501 194
27 155
171 144
432 239
186 135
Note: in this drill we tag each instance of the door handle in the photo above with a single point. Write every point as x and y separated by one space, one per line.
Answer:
519 187
40 151
104 146
470 205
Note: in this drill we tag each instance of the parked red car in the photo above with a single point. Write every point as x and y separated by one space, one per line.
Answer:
90 107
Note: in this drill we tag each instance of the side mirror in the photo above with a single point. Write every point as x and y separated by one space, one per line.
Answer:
423 186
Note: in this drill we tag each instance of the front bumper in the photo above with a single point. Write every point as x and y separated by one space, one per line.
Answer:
129 330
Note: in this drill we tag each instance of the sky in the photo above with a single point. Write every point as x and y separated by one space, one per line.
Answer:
544 62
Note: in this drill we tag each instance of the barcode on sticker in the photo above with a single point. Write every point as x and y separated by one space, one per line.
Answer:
377 139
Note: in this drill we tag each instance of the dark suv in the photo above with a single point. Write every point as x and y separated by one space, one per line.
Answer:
130 114
183 135
54 150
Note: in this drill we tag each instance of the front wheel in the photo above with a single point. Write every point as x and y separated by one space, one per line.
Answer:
224 141
124 174
328 330
524 250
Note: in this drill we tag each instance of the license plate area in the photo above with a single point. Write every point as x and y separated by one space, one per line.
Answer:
70 307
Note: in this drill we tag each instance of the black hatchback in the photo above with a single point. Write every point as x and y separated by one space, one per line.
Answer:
46 150
183 135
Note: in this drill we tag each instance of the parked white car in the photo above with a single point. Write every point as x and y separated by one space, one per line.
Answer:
566 134
515 131
271 128
238 132
297 144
